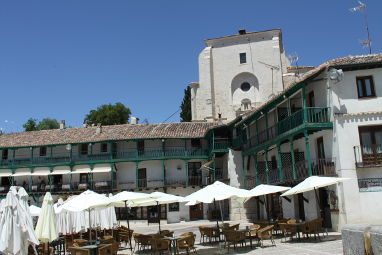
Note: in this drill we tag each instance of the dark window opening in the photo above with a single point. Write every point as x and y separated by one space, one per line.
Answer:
245 86
243 58
195 143
84 149
365 86
141 146
174 207
103 147
83 178
311 99
4 154
43 151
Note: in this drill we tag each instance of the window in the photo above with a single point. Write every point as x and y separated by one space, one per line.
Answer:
43 151
371 144
141 146
103 147
195 143
84 149
83 178
365 86
311 99
4 154
174 207
245 86
243 58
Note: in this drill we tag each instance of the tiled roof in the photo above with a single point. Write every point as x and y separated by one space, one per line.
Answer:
108 133
356 60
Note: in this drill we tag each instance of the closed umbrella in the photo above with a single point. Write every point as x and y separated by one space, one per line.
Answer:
46 224
34 210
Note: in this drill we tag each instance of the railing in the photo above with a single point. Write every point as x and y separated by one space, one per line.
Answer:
308 115
220 144
123 155
368 156
370 184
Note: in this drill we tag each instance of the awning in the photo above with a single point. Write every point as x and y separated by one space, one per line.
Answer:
5 172
22 172
101 169
60 170
41 171
81 169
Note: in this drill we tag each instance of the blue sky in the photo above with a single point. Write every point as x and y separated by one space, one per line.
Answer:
60 59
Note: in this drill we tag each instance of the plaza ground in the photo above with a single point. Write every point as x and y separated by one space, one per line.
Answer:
329 245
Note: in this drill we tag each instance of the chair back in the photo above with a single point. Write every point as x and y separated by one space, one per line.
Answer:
291 221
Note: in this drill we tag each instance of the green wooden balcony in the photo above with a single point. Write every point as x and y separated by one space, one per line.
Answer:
311 117
122 156
220 145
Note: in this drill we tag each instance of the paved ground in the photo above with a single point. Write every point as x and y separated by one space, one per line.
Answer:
329 245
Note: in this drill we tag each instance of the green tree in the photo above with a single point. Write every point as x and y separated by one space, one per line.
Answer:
44 124
109 114
30 125
185 113
48 123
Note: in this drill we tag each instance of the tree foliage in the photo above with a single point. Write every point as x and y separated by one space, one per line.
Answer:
46 123
185 113
108 114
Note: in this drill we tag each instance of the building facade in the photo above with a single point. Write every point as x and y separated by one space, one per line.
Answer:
255 120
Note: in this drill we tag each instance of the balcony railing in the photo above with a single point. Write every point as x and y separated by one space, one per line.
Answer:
220 144
307 115
368 156
370 184
132 155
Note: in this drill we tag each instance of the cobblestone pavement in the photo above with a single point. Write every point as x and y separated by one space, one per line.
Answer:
332 244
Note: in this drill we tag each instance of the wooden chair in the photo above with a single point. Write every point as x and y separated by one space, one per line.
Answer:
141 241
264 234
187 234
167 233
105 249
80 242
78 251
209 232
160 245
234 237
310 228
288 230
291 221
187 242
252 233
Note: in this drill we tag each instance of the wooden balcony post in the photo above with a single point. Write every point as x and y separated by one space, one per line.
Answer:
293 158
136 174
266 165
256 168
305 113
279 163
266 125
187 174
307 154
164 172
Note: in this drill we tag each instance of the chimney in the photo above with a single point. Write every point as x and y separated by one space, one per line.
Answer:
134 120
99 129
242 32
62 124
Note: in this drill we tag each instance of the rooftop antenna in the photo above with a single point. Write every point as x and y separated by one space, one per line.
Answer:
293 59
272 67
362 9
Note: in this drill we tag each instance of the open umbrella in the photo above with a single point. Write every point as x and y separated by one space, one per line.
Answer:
46 224
215 192
265 189
87 201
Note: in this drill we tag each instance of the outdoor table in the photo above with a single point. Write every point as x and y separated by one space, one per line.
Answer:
92 247
100 184
82 186
173 241
65 187
34 187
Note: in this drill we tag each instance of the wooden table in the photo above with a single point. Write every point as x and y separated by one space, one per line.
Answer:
298 226
247 231
92 247
173 241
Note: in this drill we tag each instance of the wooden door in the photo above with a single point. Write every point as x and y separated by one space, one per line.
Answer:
142 178
320 148
196 212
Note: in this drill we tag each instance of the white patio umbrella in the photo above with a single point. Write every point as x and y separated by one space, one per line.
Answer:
216 192
34 210
15 232
265 189
313 183
122 198
46 225
87 201
158 198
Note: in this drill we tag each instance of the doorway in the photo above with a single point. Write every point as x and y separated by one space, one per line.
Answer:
300 204
194 173
320 148
196 212
142 178
323 196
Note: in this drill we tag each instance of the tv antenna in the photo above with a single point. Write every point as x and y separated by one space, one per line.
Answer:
362 9
293 59
272 67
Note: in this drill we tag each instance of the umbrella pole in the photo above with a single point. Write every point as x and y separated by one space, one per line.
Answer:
217 219
266 207
158 215
318 202
221 212
90 228
128 225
